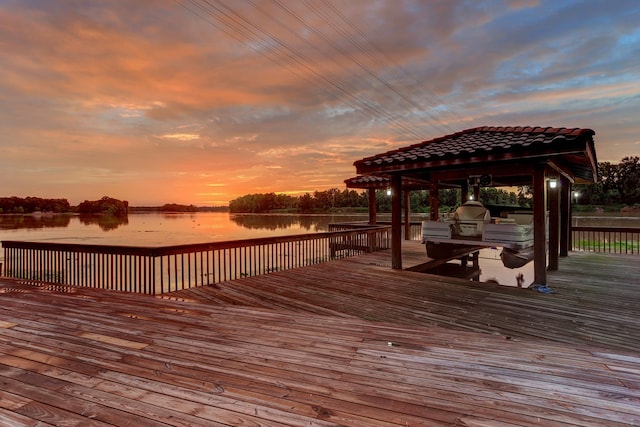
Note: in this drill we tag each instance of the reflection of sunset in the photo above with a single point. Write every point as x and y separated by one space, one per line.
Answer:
160 229
158 103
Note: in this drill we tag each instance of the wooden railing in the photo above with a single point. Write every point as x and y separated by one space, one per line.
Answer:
415 227
619 240
157 270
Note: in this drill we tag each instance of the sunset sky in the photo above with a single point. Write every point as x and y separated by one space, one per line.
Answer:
199 102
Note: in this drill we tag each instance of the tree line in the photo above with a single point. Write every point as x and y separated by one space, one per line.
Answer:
104 206
334 200
20 205
319 201
618 185
27 205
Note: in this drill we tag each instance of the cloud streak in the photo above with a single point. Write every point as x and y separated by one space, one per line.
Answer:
200 102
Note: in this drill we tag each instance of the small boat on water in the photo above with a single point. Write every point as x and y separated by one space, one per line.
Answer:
472 227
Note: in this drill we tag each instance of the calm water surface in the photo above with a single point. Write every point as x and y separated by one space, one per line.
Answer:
160 229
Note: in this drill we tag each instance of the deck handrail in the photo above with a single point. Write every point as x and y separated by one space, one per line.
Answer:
162 269
622 240
415 227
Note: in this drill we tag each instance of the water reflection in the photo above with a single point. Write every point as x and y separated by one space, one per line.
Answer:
488 269
15 222
309 223
35 222
177 215
272 222
105 222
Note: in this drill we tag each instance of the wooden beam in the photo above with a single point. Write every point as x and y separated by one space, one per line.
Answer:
565 216
372 206
539 226
434 201
464 192
496 170
407 215
396 222
562 169
554 224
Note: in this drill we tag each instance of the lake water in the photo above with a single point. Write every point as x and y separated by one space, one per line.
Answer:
162 229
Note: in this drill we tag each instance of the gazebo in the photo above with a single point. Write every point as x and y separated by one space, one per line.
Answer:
548 159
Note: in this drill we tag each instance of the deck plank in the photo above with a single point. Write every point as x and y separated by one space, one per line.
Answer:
356 344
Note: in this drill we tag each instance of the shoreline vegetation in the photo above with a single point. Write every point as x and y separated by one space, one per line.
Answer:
274 204
105 206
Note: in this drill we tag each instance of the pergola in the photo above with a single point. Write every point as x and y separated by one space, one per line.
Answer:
550 160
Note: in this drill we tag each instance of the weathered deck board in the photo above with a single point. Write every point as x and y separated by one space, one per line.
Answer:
594 303
298 347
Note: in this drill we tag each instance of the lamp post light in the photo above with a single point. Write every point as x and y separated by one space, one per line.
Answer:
575 196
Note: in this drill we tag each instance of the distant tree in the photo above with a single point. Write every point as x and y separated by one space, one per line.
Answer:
104 206
525 196
449 198
174 207
629 179
305 203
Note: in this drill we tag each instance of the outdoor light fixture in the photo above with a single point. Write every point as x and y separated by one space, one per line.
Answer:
553 183
388 191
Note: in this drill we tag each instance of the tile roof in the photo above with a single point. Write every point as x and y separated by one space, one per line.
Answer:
479 141
368 181
381 181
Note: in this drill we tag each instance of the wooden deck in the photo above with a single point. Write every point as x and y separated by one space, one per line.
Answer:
346 343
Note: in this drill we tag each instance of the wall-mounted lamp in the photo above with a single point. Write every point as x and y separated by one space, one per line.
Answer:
388 191
553 183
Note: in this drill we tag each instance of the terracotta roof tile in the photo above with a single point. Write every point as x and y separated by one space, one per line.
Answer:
478 140
379 182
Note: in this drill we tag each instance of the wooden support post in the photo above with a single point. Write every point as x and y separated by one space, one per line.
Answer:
464 192
407 215
570 220
396 222
539 227
565 216
554 225
476 193
434 201
372 206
